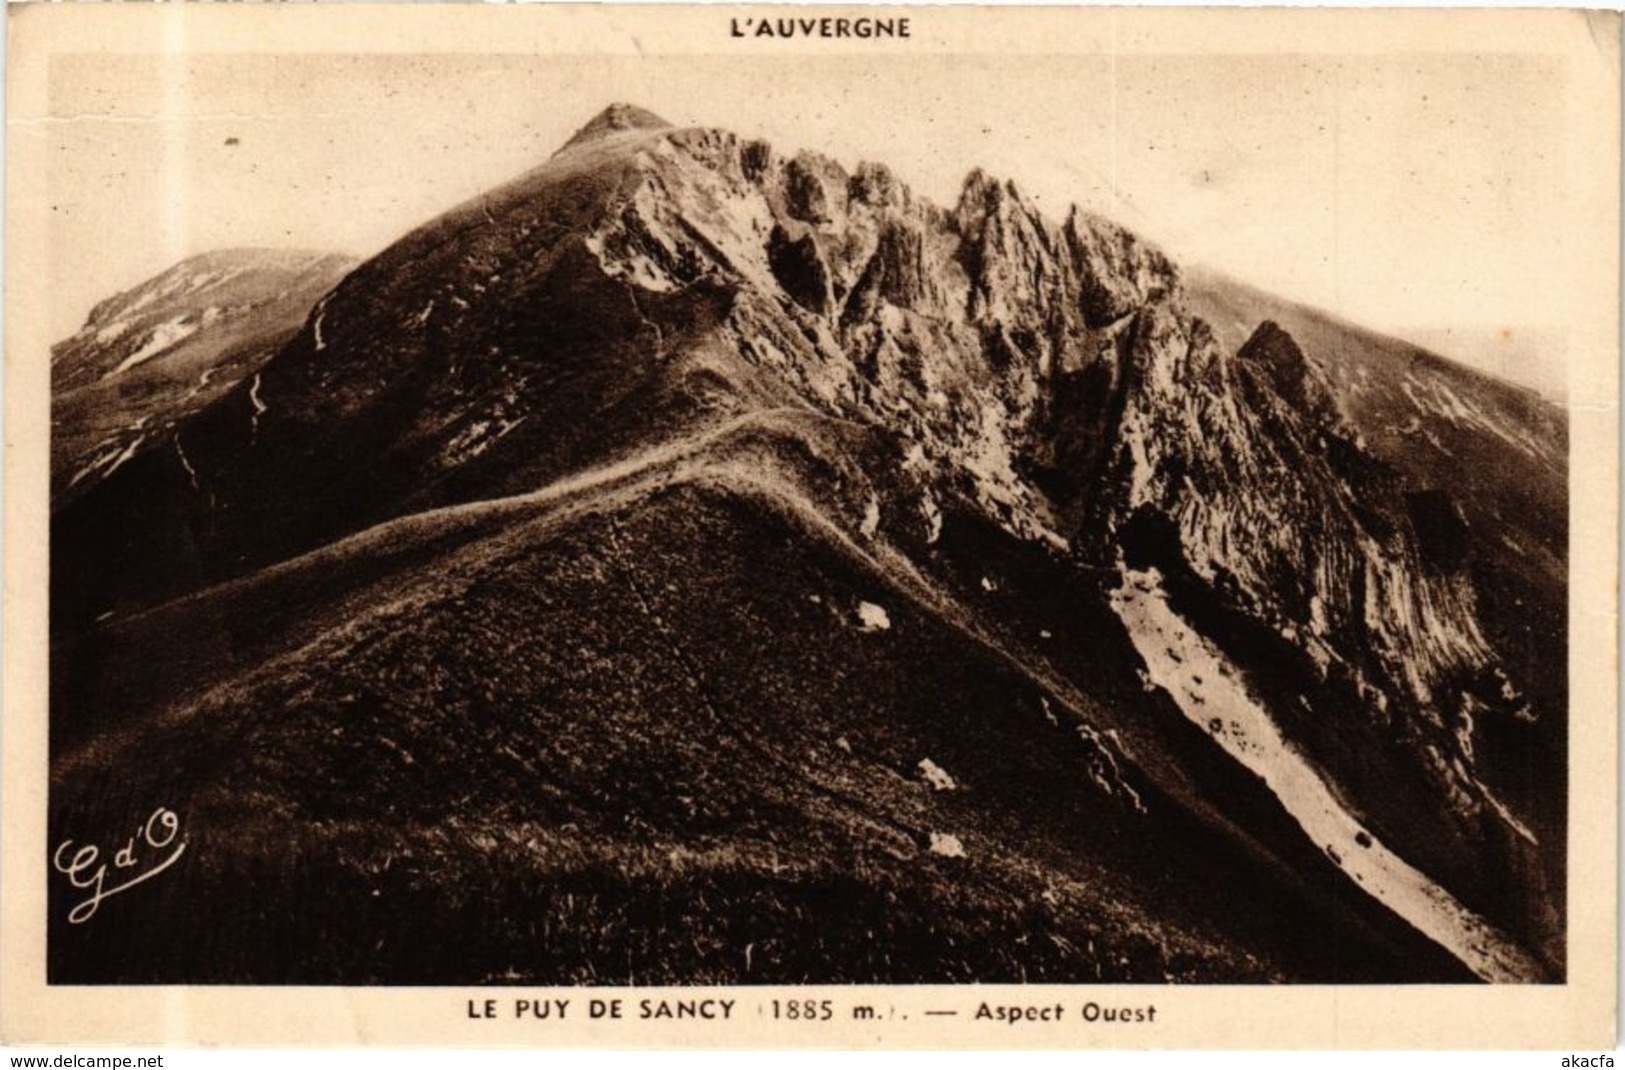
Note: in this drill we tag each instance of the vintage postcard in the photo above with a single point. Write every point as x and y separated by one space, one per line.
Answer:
847 527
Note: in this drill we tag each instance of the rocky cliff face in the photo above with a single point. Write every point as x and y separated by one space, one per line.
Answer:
1055 372
905 374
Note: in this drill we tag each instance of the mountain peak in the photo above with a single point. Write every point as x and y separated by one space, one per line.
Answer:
1289 372
616 118
674 382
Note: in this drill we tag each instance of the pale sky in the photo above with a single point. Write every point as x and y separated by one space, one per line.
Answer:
1411 194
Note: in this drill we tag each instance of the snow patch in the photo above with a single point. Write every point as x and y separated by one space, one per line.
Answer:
873 617
163 336
316 324
191 473
112 332
203 381
478 437
129 451
1505 814
947 845
260 407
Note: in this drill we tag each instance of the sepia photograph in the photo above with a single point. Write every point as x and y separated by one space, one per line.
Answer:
798 505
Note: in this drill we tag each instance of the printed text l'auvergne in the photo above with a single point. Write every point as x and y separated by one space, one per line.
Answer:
827 28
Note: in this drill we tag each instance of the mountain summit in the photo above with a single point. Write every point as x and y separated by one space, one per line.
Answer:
691 546
615 119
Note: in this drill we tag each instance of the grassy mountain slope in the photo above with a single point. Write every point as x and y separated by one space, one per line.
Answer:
699 761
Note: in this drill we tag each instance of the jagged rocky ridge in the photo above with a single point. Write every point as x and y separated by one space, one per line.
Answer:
1055 369
906 368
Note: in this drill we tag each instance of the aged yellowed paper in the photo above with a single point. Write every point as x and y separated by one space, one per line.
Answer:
858 527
